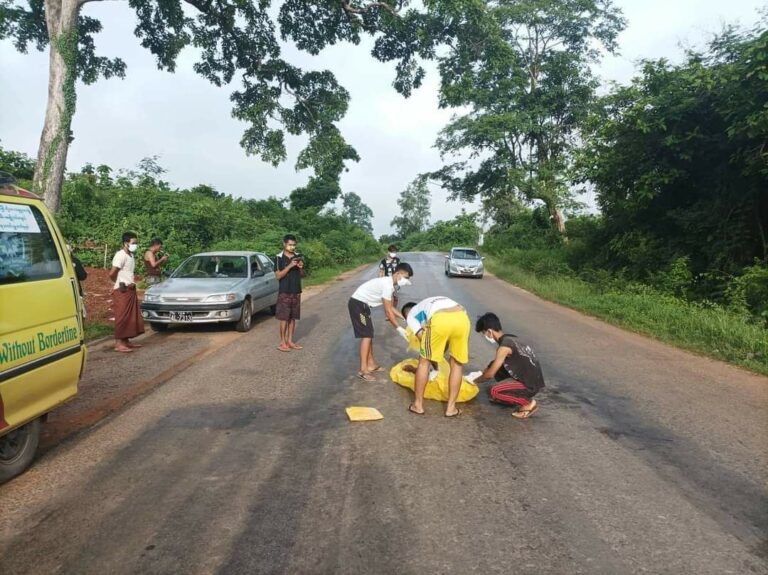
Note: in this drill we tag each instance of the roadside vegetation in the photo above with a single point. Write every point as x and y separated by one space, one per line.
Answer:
678 166
99 203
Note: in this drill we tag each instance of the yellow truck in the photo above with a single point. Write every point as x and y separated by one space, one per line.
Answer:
42 352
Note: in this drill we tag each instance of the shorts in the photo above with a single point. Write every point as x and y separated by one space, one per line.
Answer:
288 306
360 314
446 329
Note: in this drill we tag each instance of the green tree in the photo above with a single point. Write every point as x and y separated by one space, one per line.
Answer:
679 164
414 206
356 212
528 87
234 39
19 165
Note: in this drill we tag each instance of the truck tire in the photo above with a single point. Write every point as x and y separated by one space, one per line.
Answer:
246 317
17 449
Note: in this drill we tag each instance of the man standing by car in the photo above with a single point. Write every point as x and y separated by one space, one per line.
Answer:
125 303
289 269
153 265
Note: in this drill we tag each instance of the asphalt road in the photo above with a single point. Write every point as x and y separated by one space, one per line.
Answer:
642 459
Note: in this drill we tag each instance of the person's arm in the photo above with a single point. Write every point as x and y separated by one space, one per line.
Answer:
151 260
300 265
382 270
491 370
391 312
281 273
117 265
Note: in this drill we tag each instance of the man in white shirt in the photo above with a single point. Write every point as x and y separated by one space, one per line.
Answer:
439 323
125 303
373 293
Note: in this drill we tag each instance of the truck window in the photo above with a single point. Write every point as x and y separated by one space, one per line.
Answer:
27 249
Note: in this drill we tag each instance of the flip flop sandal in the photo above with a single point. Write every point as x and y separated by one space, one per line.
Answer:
458 413
124 350
283 349
378 368
366 376
525 413
296 346
410 408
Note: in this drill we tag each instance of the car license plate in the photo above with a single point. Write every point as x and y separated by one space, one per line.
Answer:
180 316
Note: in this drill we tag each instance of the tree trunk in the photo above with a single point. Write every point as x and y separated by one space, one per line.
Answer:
61 20
557 219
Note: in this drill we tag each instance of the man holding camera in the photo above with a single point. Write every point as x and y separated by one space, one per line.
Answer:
289 269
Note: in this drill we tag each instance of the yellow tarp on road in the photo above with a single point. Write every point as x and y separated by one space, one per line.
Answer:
437 388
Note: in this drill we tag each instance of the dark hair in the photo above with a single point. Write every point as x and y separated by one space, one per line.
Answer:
407 307
488 321
404 267
391 248
289 238
156 242
128 236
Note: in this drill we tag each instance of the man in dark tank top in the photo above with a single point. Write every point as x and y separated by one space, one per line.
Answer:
515 368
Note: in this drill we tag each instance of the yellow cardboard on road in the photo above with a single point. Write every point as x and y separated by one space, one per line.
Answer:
363 414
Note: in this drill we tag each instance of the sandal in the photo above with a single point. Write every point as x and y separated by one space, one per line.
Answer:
378 368
124 350
526 413
284 348
365 376
410 408
458 413
295 346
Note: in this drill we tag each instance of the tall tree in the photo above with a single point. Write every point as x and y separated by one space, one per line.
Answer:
356 211
414 206
235 38
528 87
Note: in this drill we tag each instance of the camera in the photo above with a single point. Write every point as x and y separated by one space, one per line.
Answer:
297 258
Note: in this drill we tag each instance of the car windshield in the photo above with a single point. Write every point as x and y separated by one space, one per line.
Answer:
466 255
213 267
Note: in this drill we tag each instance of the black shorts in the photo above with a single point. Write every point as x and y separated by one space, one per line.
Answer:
360 314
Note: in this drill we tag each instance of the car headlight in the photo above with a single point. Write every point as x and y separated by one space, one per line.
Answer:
221 297
151 297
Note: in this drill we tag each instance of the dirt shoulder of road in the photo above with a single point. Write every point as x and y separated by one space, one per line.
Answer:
113 380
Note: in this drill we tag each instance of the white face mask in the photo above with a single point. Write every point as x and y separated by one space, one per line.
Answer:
490 339
392 255
402 282
133 247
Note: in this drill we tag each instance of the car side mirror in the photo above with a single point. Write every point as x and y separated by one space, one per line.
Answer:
447 257
482 258
257 273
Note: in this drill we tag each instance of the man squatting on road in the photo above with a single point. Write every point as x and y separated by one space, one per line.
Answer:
125 303
373 293
515 368
439 323
289 269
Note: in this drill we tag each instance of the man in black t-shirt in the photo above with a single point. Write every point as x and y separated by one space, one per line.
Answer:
515 368
388 265
289 269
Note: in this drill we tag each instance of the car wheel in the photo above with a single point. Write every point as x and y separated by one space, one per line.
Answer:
246 316
158 326
480 277
17 449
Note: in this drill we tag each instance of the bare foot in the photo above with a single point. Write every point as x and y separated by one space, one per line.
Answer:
293 345
134 345
375 368
283 347
123 349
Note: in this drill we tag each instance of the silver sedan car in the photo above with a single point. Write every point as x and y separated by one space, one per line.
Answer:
464 262
213 287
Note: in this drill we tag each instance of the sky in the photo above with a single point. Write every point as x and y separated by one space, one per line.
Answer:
187 122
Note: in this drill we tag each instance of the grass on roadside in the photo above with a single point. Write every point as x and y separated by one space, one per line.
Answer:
326 274
711 331
95 330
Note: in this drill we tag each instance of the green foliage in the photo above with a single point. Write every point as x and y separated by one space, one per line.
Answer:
679 164
356 212
443 235
414 206
97 208
528 86
698 326
239 40
19 165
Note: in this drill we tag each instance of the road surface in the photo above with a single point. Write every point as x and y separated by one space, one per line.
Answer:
642 459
